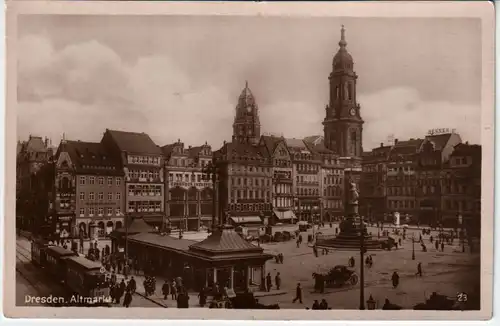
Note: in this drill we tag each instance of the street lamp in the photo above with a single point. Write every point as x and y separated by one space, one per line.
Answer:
413 246
462 233
362 267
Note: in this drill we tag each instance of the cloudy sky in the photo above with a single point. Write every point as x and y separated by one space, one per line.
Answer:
180 77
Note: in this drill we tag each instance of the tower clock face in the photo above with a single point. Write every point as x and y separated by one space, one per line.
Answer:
352 111
249 109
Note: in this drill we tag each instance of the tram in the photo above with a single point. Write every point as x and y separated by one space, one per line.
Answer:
87 279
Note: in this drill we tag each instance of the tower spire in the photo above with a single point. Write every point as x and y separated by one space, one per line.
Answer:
246 83
342 42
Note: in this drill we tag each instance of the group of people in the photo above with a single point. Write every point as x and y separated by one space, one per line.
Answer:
320 306
268 282
117 290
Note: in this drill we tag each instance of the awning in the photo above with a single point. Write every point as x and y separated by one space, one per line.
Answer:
246 219
285 215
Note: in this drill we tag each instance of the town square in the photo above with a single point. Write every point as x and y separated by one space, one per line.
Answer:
191 197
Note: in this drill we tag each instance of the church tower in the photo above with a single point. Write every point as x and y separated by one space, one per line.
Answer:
343 125
246 126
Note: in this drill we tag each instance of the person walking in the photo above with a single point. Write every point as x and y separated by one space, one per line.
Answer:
298 293
203 297
173 290
269 282
165 289
442 246
395 279
277 280
419 269
127 300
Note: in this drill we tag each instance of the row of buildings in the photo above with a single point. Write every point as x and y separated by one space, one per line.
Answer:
253 178
431 180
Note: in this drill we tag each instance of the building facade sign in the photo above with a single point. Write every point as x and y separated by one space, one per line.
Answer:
440 131
198 185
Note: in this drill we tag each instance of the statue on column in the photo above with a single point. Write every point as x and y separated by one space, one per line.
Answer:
353 201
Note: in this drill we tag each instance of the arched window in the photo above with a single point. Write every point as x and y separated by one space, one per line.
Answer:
177 194
192 193
206 194
64 184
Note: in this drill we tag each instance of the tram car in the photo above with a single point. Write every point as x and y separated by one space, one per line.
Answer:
56 258
87 279
38 255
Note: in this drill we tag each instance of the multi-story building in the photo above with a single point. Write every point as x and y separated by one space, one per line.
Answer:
244 168
461 188
402 179
331 180
188 194
142 163
433 154
373 184
89 189
306 173
32 155
282 180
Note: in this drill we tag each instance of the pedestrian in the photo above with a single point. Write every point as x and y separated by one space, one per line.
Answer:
298 293
203 297
399 241
298 243
437 245
277 280
442 246
395 279
173 290
352 262
113 278
315 250
269 282
121 290
165 289
132 285
431 239
127 300
315 305
281 257
323 305
419 269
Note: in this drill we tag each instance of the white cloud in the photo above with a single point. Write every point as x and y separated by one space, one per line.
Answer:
400 111
86 87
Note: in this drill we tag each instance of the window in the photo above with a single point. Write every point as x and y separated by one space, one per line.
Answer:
170 177
82 211
101 180
91 211
118 196
100 196
118 211
82 196
82 180
110 196
100 211
109 211
110 181
91 196
91 180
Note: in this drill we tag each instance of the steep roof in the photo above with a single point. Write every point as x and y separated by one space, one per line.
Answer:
439 141
225 241
405 147
91 158
162 241
238 151
295 143
136 226
270 142
134 142
35 144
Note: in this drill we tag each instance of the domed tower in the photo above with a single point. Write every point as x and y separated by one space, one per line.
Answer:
343 125
246 126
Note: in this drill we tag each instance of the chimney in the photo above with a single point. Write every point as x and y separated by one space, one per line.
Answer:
46 142
381 144
395 141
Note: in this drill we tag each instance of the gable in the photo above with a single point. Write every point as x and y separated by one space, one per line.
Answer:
281 152
64 161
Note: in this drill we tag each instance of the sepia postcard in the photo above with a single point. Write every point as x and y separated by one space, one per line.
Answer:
242 159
